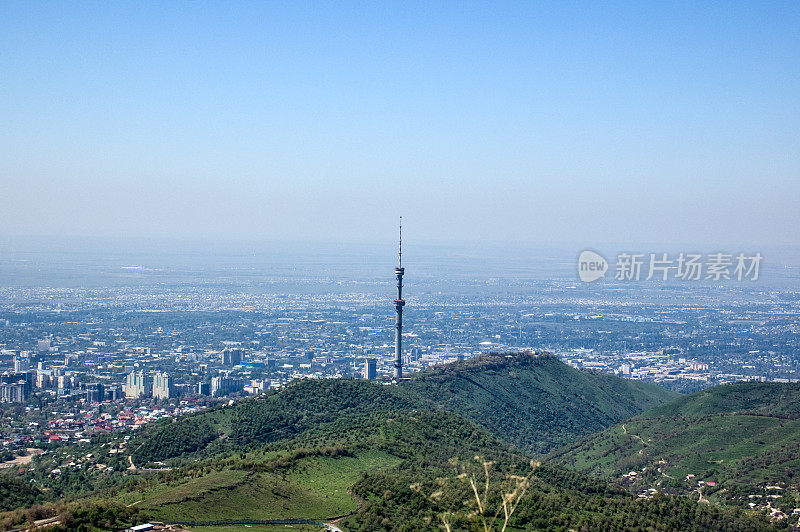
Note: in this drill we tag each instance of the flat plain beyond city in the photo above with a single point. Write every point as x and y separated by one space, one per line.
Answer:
399 266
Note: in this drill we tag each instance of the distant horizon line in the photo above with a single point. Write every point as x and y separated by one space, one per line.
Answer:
390 240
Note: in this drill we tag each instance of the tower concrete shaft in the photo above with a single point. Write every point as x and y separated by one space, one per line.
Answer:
399 303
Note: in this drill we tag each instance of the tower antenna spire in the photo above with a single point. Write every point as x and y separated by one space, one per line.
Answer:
400 249
399 303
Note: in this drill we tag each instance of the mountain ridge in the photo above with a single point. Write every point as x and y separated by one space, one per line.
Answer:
502 392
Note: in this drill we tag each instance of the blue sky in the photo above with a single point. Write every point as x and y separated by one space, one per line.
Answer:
543 122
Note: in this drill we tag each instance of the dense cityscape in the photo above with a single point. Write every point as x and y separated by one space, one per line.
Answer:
77 361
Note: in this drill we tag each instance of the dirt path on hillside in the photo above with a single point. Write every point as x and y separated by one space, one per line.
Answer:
641 441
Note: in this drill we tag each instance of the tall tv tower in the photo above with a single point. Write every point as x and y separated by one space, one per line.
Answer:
399 303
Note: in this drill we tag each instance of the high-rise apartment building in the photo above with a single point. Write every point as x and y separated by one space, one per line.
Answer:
95 393
14 392
370 369
162 386
224 385
137 385
231 357
21 363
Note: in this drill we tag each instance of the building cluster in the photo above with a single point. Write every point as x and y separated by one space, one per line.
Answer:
665 366
33 372
79 424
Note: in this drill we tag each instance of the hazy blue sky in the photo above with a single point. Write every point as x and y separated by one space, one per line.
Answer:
634 121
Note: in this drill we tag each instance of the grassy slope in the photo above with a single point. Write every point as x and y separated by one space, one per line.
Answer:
326 406
741 436
536 402
313 487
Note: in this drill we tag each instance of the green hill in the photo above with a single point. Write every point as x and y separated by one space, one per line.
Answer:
307 412
384 457
758 398
533 400
741 437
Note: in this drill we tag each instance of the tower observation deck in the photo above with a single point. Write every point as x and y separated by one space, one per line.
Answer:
399 303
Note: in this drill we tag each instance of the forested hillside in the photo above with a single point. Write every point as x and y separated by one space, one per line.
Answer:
533 400
737 443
